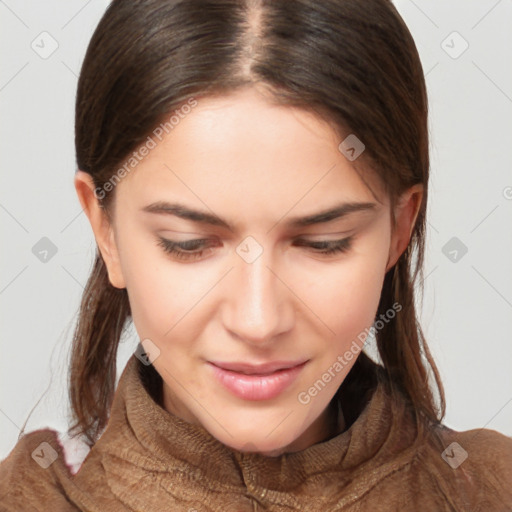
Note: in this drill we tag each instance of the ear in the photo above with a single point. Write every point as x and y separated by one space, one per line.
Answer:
406 212
101 226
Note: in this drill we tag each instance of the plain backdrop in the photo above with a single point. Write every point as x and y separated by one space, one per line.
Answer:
466 50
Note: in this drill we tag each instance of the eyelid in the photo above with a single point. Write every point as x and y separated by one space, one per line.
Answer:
336 235
302 238
323 247
202 243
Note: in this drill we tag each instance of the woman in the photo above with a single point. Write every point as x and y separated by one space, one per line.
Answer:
256 177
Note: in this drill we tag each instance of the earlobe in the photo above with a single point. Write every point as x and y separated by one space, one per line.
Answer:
406 213
101 226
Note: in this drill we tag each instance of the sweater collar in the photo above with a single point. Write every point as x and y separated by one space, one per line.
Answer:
155 440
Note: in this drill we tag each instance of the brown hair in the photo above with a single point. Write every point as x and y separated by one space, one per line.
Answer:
355 66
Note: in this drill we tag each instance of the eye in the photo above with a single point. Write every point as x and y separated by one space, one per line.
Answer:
328 247
184 250
195 249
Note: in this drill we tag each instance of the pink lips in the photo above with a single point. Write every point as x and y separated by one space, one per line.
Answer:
257 382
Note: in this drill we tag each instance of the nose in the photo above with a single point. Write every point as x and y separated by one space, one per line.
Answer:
258 305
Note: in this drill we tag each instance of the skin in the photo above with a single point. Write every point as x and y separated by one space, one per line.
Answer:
256 165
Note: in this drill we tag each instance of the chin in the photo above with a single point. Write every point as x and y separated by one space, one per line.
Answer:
269 431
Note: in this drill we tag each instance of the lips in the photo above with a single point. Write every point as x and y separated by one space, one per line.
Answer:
257 369
256 382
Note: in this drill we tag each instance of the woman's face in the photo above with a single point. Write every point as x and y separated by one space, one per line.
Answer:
256 287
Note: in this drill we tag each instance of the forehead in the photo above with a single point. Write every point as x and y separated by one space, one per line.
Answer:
243 152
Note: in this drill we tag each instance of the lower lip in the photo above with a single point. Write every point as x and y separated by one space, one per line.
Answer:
257 387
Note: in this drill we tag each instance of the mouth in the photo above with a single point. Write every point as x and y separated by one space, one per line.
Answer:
258 369
257 382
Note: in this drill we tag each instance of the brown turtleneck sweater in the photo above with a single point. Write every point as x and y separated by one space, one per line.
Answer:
148 460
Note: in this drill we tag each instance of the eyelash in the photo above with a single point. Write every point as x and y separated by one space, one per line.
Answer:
182 250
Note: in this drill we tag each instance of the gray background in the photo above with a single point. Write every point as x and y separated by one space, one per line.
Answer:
467 311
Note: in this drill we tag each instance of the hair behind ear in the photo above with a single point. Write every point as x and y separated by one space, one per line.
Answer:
104 310
402 345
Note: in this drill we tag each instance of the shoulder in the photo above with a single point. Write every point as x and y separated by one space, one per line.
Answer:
472 467
478 450
35 468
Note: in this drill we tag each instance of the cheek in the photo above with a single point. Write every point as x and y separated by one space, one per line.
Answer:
159 294
347 297
362 290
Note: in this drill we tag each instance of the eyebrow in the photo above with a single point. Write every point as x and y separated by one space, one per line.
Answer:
203 217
